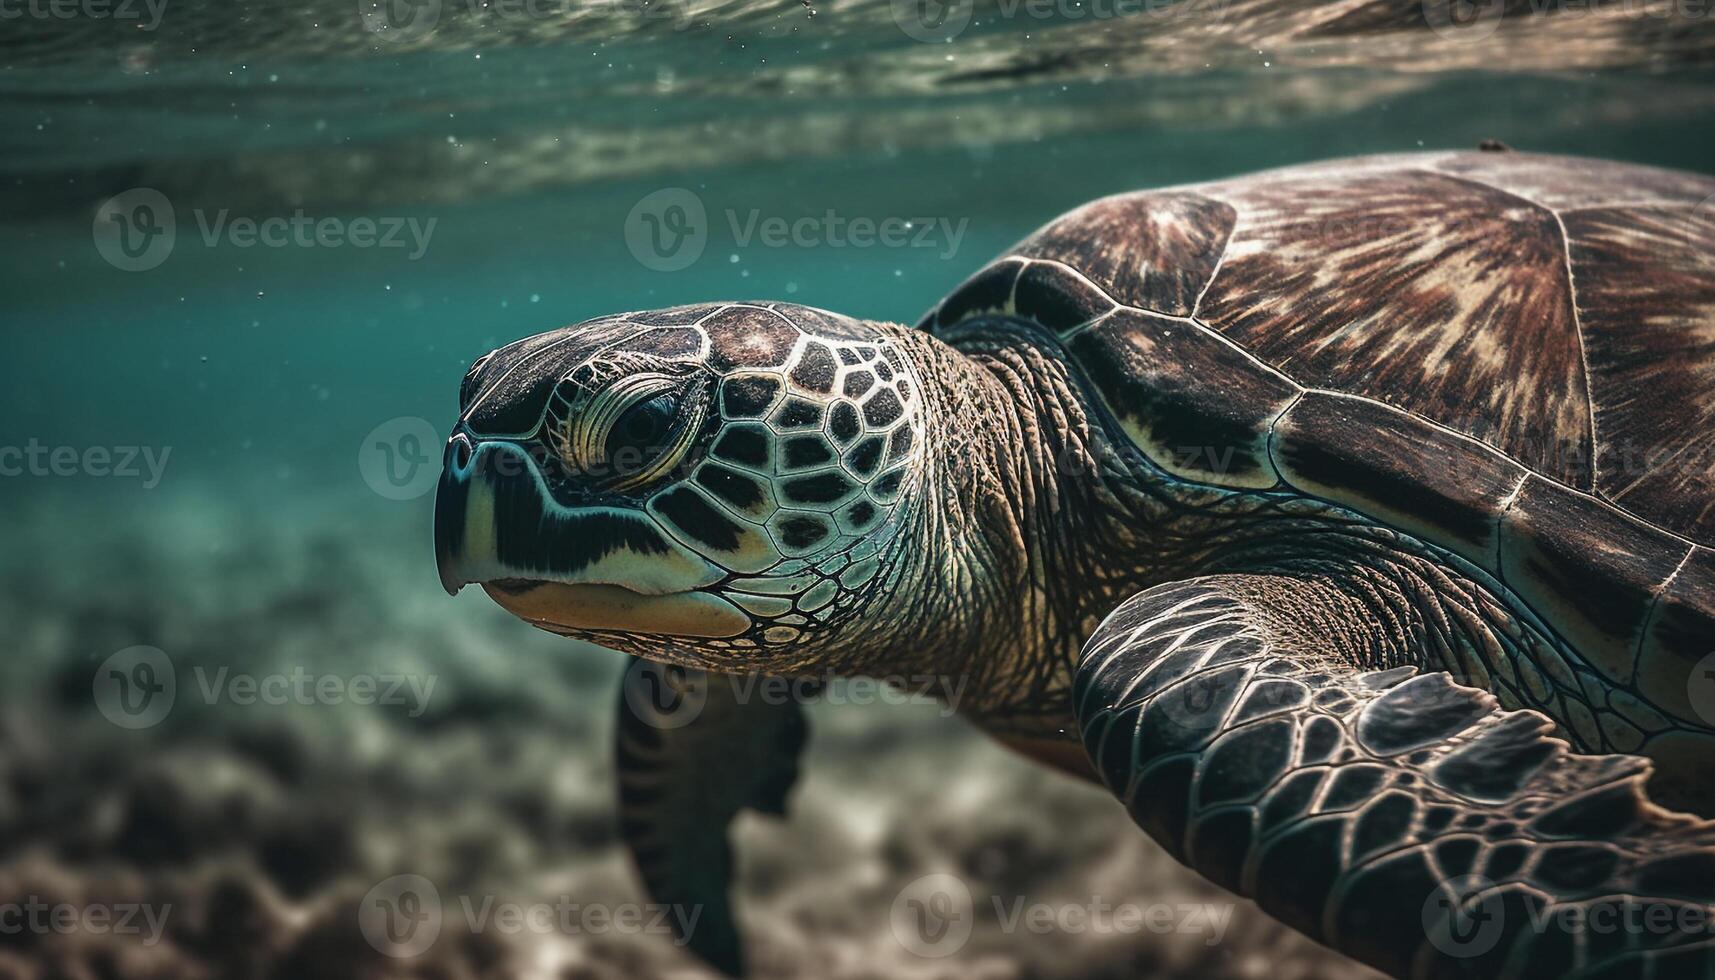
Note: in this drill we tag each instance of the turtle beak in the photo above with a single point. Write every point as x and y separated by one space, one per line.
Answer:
596 566
495 521
450 500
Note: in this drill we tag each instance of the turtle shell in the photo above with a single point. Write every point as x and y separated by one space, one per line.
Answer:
1509 356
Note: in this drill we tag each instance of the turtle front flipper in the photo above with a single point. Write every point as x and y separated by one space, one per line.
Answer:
692 752
1394 815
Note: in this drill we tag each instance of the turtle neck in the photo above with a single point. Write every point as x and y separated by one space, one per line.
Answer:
1025 527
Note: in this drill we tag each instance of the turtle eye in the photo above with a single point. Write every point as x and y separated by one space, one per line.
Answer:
640 434
628 434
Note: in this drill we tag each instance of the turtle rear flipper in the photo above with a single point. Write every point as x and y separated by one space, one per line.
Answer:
692 753
1398 816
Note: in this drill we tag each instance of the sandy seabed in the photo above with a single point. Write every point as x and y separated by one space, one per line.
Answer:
240 838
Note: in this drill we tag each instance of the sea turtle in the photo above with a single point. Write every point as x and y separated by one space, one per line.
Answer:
1353 523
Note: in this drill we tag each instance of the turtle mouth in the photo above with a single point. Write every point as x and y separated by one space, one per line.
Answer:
558 606
598 568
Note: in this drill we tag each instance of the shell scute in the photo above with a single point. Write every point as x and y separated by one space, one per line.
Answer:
1195 405
1432 294
988 291
1549 181
1679 637
1590 569
1646 292
1413 474
1057 297
1151 251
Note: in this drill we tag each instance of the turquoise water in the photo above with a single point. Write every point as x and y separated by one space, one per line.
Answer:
264 366
259 374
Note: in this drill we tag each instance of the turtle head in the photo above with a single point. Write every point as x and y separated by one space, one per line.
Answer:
718 486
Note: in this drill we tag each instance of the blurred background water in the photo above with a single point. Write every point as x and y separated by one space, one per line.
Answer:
532 156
